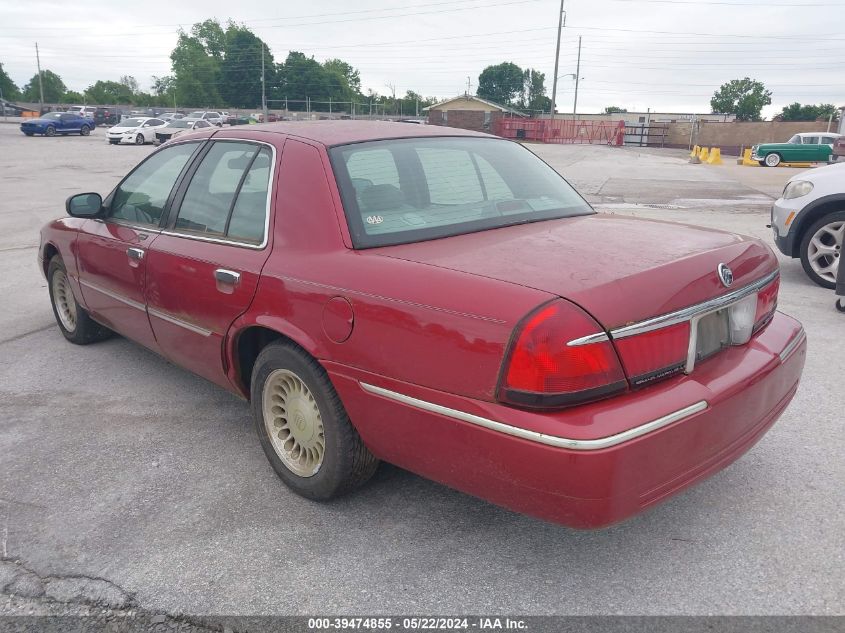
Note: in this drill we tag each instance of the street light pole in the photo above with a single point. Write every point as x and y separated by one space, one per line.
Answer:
40 83
577 77
557 57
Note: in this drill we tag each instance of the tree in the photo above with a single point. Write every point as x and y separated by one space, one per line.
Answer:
54 88
302 77
240 69
614 110
743 97
501 83
196 70
534 91
130 82
345 76
798 112
109 92
162 86
8 88
71 96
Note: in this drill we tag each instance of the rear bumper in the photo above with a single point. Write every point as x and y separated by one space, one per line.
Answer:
592 465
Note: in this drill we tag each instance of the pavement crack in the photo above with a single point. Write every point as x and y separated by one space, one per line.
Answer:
25 334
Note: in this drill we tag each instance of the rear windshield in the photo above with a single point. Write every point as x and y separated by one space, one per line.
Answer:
410 190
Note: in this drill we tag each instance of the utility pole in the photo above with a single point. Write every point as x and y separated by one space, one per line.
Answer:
577 78
40 83
263 91
468 86
557 56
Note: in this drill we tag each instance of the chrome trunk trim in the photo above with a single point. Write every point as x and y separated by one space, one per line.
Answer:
533 436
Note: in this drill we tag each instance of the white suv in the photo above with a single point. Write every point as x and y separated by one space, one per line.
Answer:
215 118
808 221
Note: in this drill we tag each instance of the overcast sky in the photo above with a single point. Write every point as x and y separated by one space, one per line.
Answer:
667 55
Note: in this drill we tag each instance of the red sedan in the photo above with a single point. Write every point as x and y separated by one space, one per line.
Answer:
438 299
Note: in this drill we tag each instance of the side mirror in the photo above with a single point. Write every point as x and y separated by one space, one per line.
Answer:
84 205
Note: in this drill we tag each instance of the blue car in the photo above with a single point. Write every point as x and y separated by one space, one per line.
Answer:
54 123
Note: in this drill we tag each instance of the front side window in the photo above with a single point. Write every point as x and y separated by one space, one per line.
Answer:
141 198
408 190
227 196
795 140
811 140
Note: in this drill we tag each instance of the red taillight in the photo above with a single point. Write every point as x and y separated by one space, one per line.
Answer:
654 355
767 302
543 370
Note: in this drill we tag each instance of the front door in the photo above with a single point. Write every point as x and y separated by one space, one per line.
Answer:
203 270
112 251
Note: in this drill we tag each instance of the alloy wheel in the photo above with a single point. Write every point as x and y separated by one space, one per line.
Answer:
293 423
824 249
773 160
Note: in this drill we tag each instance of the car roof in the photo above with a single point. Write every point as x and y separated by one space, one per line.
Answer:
819 134
344 132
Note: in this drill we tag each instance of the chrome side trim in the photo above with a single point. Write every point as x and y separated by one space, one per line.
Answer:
541 438
590 338
673 318
113 295
792 345
171 319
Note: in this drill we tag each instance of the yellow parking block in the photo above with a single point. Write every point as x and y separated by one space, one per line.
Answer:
747 161
695 150
704 154
715 157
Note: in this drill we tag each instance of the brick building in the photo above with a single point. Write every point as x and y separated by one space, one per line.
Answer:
468 112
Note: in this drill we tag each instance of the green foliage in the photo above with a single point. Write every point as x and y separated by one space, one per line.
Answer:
743 97
345 76
196 70
71 96
614 110
303 76
54 88
534 92
240 69
108 93
501 83
798 112
8 88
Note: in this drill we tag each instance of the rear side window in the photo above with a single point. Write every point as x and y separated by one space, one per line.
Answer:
811 140
227 195
140 199
409 190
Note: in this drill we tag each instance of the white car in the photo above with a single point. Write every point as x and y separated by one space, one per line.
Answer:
83 111
135 130
178 127
215 118
808 221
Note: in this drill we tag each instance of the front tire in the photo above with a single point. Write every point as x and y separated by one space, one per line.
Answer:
303 427
140 140
74 322
821 249
772 160
50 131
85 131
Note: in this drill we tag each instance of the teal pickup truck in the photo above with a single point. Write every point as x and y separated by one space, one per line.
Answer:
812 147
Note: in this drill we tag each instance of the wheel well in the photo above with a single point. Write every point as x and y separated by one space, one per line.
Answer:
814 214
249 344
50 251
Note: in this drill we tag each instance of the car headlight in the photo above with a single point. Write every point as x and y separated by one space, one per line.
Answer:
796 189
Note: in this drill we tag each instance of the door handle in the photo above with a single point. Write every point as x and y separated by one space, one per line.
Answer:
135 253
227 276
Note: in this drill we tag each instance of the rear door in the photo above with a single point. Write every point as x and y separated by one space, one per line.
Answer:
111 252
203 270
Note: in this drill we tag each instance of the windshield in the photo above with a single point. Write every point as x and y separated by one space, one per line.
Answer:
410 190
131 123
795 140
179 123
52 115
195 115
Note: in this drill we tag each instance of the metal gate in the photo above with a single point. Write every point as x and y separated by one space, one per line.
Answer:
562 131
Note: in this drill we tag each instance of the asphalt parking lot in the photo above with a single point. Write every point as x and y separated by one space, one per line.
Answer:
125 479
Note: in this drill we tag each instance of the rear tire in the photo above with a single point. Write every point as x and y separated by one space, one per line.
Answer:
140 140
303 427
85 131
50 131
772 160
821 246
74 322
